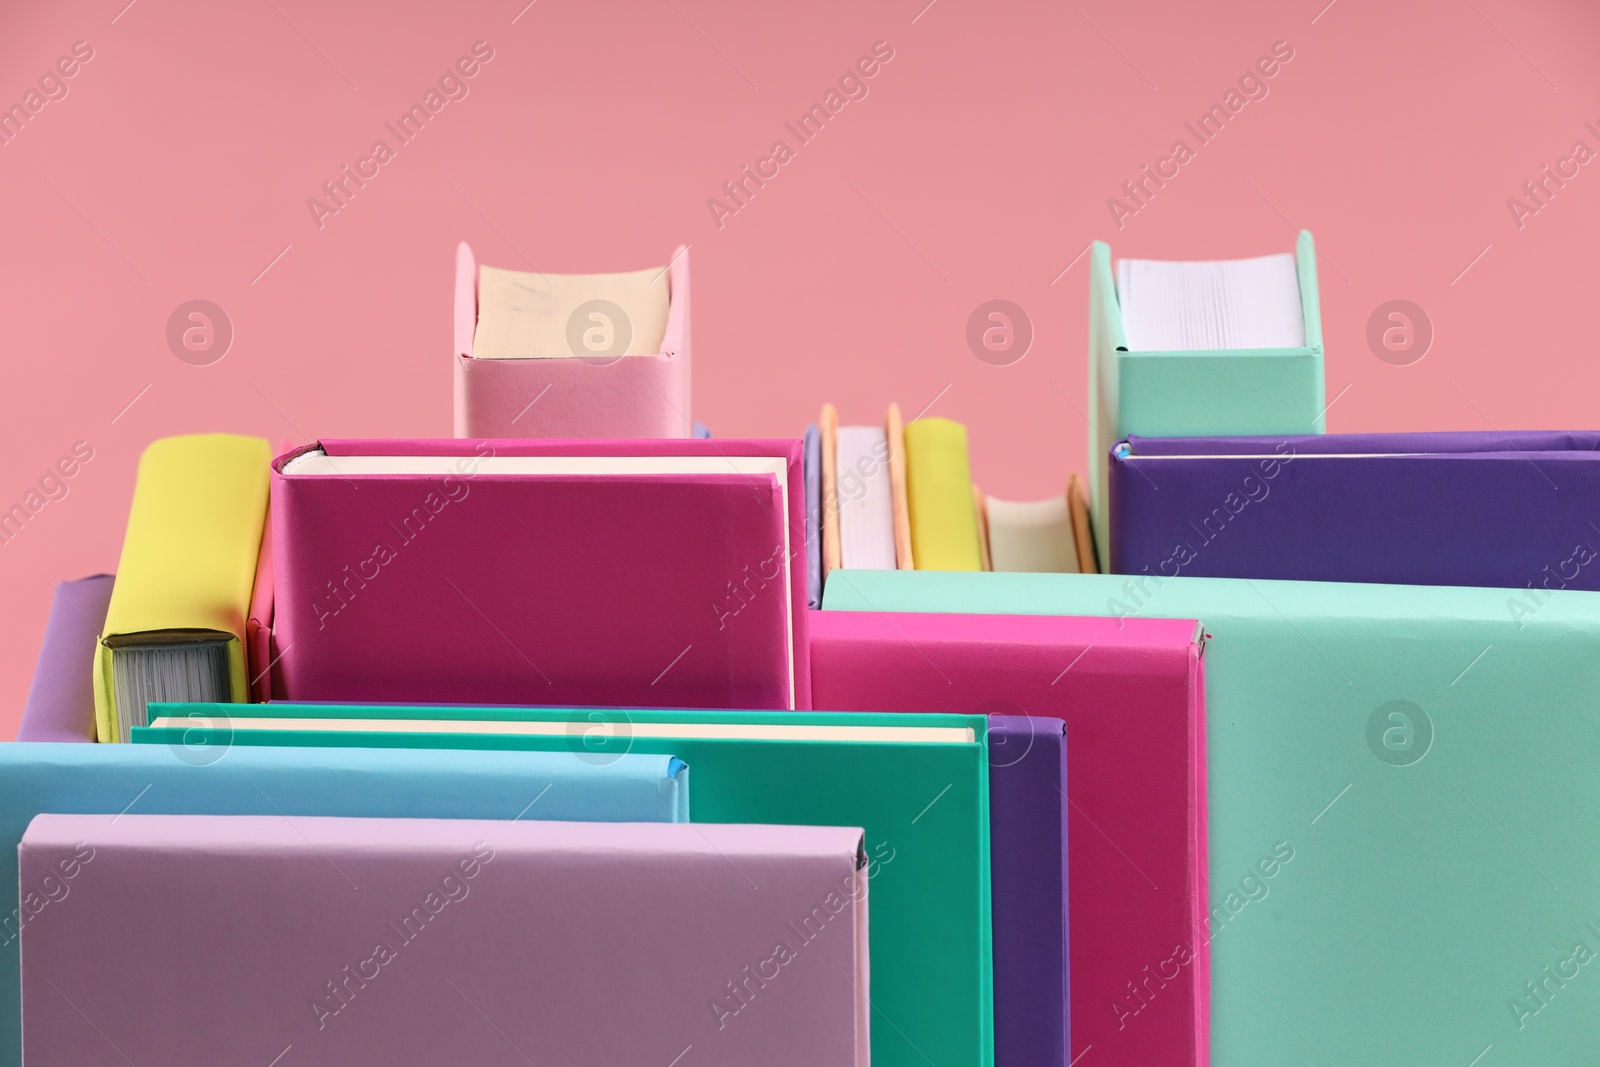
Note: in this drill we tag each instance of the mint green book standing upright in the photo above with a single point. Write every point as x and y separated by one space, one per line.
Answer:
1194 394
924 807
1431 756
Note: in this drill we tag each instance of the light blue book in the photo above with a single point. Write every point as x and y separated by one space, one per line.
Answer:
114 780
1404 801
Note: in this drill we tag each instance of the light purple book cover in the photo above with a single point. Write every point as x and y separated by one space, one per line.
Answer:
61 700
197 940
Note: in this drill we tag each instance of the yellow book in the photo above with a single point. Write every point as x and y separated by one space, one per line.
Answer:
944 526
175 626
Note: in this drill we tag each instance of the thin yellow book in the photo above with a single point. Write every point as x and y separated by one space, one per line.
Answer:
944 524
175 626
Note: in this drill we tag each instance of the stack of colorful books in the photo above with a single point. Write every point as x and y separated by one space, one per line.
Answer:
583 739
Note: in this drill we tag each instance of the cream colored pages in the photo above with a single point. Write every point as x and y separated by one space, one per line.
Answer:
1034 536
728 731
528 315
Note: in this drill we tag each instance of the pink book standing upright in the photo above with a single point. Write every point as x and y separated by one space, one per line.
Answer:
470 586
258 626
1132 693
627 396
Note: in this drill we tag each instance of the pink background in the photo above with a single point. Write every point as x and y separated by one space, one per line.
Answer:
978 167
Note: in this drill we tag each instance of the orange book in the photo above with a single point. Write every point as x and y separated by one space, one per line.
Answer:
895 432
828 426
1082 531
982 513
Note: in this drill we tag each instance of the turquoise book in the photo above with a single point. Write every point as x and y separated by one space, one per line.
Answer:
1198 392
288 783
1404 802
917 784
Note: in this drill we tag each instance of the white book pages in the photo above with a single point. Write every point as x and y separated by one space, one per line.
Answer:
866 501
1212 304
166 671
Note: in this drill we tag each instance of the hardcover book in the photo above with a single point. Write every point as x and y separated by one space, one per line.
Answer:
201 773
1132 696
1390 765
1498 509
592 381
1028 838
944 525
917 784
175 626
1266 388
61 699
655 573
348 940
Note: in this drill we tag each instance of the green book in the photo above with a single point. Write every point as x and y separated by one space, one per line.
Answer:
1201 393
917 784
1430 756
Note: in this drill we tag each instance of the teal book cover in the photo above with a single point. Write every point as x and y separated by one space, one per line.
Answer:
1214 393
924 807
1419 769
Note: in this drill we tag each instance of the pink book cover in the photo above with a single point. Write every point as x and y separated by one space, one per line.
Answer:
258 626
629 396
648 590
198 940
1132 694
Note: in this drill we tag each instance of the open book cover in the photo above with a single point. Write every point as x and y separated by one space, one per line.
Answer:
640 573
444 941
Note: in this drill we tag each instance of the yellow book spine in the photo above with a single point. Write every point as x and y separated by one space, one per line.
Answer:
188 559
944 526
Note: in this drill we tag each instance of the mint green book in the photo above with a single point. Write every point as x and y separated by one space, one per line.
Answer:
1225 392
917 784
1430 756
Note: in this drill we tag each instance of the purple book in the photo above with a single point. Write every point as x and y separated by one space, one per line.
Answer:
61 700
1028 861
1513 510
201 940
